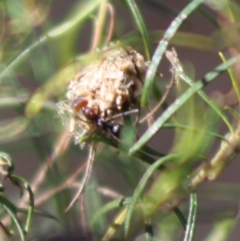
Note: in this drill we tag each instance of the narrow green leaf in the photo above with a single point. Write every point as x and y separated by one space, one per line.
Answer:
221 230
13 129
140 154
208 16
39 213
141 186
162 46
26 185
192 218
12 211
7 158
181 217
232 78
141 25
184 127
208 101
154 128
62 29
111 206
94 204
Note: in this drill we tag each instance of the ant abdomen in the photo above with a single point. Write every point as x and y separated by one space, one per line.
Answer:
79 103
116 129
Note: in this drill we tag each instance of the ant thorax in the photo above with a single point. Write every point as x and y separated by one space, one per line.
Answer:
106 88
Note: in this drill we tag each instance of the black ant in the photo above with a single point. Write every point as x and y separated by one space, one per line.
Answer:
114 129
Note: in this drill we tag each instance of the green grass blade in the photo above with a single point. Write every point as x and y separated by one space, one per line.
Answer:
25 184
95 203
140 188
60 30
187 40
12 129
154 128
141 25
184 127
183 39
180 216
221 230
111 206
161 48
39 213
12 211
208 16
207 100
140 155
153 152
232 78
192 218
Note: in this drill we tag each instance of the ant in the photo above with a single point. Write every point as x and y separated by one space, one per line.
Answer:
114 129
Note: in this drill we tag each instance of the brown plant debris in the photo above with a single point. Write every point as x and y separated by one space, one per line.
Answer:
101 91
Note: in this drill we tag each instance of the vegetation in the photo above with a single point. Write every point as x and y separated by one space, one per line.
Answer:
145 183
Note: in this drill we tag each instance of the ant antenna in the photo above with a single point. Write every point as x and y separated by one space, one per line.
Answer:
114 129
126 113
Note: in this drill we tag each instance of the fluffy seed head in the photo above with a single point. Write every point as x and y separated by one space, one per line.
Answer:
108 87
